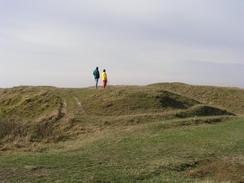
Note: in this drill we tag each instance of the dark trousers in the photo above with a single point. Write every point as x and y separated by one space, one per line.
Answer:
97 82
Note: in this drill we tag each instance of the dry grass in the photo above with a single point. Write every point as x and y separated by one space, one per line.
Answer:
231 99
220 170
46 114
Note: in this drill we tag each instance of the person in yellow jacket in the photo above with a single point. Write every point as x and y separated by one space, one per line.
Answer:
104 78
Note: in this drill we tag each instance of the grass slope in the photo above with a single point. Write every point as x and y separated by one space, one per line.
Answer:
156 152
156 133
223 97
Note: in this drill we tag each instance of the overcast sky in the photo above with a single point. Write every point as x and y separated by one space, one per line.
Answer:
60 42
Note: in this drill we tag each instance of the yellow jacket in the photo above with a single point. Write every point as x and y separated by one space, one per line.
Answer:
104 76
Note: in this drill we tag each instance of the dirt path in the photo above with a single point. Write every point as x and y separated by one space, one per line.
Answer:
81 109
64 110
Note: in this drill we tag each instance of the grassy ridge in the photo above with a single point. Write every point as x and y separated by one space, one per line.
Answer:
30 115
156 133
28 103
231 99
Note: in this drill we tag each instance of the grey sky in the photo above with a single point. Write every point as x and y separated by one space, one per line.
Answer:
60 42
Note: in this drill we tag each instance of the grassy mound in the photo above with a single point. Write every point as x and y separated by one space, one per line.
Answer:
35 114
29 114
28 103
134 100
203 110
231 99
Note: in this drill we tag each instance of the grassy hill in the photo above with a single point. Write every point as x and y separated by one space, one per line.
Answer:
169 132
224 97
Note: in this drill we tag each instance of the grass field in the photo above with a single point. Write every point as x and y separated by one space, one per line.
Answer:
124 134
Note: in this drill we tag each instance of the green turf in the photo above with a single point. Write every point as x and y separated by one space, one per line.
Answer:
149 153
